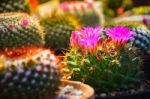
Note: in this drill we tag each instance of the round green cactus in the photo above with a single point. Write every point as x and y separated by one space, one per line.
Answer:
19 30
58 31
14 6
34 77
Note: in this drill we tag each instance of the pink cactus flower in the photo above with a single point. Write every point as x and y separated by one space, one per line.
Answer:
87 37
120 34
25 22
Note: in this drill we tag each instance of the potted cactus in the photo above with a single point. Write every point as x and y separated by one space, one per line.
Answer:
107 60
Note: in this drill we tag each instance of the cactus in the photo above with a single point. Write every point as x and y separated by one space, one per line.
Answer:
58 31
14 6
19 30
84 11
106 63
33 77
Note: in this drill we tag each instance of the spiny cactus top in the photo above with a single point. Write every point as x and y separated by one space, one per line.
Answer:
106 62
32 77
58 31
14 6
19 30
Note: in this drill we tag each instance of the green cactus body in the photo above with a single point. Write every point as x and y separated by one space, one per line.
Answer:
58 31
14 6
19 30
34 77
107 73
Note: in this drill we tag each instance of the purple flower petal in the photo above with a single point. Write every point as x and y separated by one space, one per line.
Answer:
120 34
87 37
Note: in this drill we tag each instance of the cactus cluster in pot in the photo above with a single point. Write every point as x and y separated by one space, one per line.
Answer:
104 58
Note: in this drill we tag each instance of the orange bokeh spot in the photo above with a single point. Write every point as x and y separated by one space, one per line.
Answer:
33 3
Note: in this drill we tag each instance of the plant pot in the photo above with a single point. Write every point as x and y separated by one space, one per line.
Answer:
140 95
86 89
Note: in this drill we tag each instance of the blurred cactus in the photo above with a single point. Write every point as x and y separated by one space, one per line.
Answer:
58 30
14 6
33 77
84 11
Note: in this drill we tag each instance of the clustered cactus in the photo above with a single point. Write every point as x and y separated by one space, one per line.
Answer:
104 59
32 77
